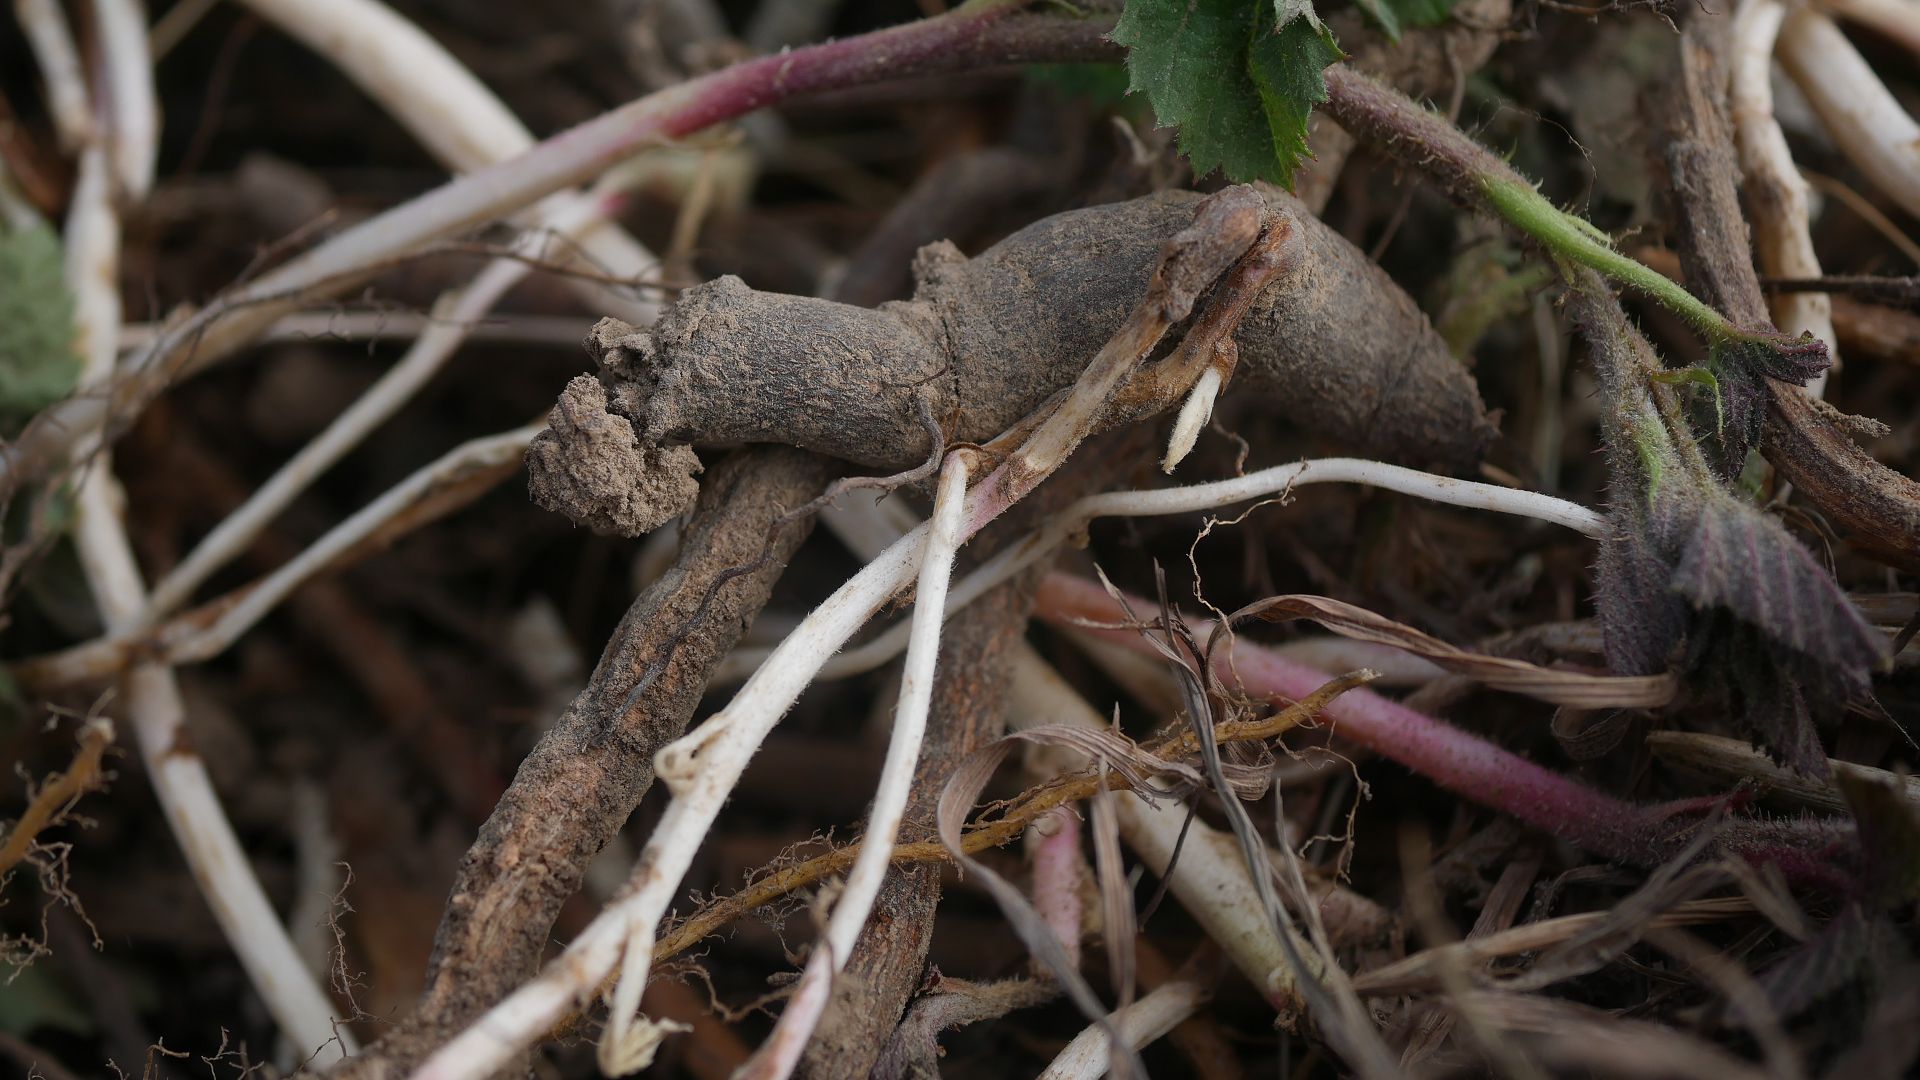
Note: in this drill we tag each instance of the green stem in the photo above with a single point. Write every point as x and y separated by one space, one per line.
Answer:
1474 175
1575 239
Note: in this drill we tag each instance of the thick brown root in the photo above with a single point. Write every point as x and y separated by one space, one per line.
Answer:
1333 343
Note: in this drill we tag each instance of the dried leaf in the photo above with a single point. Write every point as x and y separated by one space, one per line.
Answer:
1573 689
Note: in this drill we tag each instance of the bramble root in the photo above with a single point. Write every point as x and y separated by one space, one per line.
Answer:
1333 342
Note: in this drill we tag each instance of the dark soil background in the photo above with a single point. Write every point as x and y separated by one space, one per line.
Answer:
371 721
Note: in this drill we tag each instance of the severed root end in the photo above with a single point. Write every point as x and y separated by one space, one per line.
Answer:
1194 415
589 465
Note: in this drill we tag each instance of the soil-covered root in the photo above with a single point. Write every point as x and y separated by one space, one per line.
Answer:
1334 344
613 483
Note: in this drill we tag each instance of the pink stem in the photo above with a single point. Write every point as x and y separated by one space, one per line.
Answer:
1056 878
1810 854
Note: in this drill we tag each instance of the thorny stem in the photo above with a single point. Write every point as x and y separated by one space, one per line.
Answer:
1470 766
1573 239
1471 173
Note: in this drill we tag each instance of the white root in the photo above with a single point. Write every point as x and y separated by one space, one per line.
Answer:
453 315
1198 497
1194 414
461 122
700 769
51 40
1210 879
193 643
171 28
467 127
133 112
554 331
188 640
150 693
476 455
1777 195
1899 20
1089 1055
1859 112
776 1059
412 76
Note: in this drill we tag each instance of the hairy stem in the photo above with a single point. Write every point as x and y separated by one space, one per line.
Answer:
1472 174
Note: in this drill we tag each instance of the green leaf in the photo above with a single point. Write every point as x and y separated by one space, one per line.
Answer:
38 365
1697 376
1394 16
1237 79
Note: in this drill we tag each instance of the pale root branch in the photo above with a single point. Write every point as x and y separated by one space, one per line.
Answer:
454 315
1776 193
776 1058
461 122
51 40
132 112
1859 112
1089 1055
150 693
432 491
972 36
1072 522
1898 20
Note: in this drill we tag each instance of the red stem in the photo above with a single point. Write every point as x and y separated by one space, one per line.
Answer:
1467 765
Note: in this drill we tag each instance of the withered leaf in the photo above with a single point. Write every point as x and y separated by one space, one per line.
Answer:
1889 828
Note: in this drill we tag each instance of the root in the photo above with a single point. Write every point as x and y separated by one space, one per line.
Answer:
986 341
